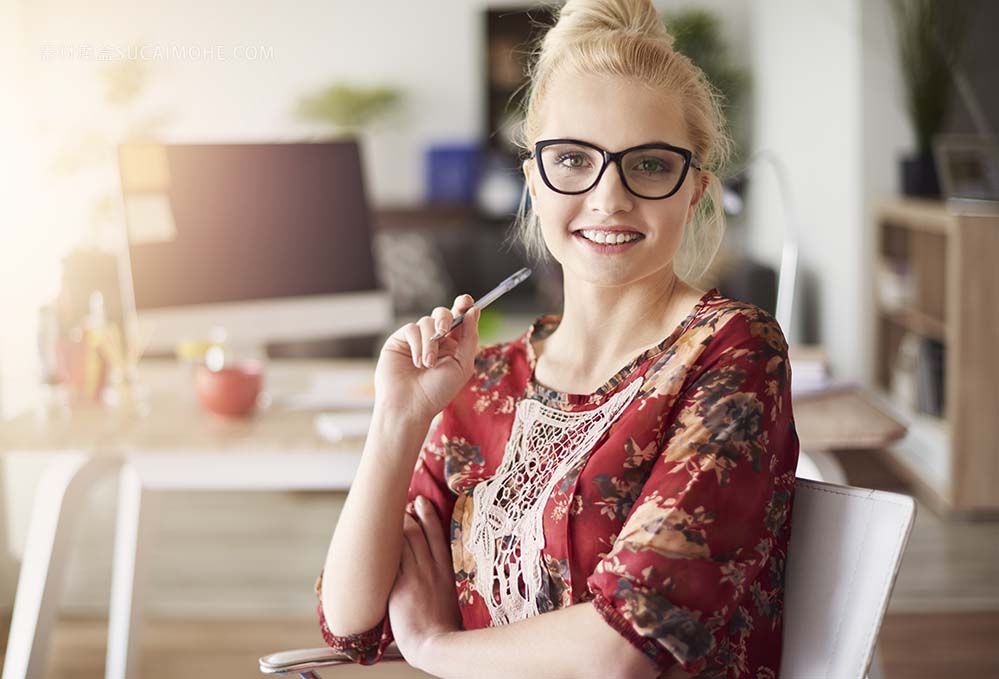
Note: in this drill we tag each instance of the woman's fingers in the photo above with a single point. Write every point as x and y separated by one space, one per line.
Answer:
446 345
462 303
415 538
431 524
408 538
412 334
428 349
425 351
470 335
442 319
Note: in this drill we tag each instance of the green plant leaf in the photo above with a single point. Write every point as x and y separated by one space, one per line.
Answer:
347 107
930 35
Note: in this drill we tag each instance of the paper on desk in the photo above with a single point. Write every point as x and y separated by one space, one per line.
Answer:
810 372
339 426
336 389
802 387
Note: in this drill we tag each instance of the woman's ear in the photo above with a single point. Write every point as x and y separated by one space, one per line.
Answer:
704 178
529 177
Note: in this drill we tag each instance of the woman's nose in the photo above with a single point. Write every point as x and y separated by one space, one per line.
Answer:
610 194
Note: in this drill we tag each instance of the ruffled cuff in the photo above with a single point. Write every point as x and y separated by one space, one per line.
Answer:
364 648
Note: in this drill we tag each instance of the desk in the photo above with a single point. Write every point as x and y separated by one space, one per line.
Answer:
848 419
177 446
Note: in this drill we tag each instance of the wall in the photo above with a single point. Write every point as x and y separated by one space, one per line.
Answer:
807 103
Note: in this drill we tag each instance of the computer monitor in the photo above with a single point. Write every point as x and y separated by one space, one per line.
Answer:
271 241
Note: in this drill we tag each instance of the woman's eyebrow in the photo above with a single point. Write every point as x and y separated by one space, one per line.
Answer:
632 146
650 143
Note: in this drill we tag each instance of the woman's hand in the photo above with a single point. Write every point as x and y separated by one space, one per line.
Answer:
418 377
424 600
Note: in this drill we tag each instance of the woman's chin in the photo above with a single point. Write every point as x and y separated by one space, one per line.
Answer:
609 275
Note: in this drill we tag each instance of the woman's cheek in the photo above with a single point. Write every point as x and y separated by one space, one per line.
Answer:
555 228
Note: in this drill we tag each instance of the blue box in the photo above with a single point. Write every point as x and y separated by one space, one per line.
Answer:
452 173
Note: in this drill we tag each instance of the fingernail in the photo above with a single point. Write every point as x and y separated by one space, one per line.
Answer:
429 360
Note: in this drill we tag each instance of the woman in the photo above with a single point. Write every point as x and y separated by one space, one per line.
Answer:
625 468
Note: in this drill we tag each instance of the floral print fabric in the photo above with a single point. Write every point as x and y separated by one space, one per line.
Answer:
675 525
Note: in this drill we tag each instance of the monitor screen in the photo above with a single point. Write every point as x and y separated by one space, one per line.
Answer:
224 223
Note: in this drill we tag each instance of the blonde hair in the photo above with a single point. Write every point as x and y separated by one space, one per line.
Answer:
626 38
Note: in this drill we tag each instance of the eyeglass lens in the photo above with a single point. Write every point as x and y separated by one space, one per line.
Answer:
648 172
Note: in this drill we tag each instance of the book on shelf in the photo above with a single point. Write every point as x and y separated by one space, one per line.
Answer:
930 377
918 374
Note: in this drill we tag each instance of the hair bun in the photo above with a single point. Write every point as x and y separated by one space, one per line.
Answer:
584 17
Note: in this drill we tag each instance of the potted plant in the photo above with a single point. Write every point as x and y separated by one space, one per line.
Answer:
347 108
929 36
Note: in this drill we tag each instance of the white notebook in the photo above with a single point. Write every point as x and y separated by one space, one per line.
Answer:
337 427
335 389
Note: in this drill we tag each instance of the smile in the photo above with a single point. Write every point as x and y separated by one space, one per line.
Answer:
607 242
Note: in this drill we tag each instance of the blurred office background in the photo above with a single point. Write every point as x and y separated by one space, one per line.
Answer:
828 159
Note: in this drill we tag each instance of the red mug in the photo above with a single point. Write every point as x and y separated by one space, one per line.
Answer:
230 391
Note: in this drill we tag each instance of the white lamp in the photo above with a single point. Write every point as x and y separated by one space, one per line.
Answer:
733 205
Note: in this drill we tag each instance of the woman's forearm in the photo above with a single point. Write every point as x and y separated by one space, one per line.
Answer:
573 642
364 553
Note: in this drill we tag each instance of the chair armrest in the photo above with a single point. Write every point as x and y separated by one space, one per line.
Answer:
305 659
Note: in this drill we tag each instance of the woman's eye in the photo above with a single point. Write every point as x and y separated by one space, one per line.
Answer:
652 165
571 160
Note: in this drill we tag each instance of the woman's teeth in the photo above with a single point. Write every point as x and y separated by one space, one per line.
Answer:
609 238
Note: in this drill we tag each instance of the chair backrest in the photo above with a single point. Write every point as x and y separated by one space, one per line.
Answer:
845 549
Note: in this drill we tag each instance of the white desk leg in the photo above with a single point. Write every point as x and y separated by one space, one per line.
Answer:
59 501
136 521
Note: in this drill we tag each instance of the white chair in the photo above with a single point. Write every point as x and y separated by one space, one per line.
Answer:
845 550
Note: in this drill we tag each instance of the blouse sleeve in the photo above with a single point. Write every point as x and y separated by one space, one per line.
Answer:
367 648
713 508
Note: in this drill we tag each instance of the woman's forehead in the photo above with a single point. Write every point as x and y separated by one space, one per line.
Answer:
613 112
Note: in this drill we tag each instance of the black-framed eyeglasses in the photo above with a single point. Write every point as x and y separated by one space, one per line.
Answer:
651 171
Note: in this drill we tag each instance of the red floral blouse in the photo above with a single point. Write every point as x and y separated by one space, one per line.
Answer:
674 523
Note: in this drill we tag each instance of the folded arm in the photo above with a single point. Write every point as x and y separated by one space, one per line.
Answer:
571 642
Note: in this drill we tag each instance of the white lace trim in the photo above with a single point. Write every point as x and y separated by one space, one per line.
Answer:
506 535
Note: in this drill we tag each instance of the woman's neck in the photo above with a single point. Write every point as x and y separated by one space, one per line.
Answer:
602 328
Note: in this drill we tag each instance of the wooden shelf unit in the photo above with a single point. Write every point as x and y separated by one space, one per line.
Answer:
951 253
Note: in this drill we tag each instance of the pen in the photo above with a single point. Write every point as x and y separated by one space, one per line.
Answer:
487 299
